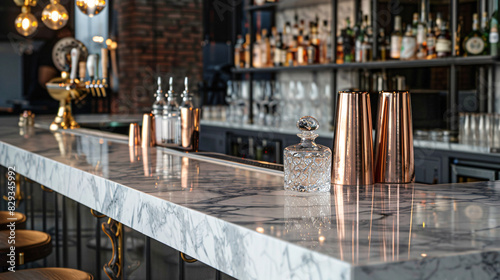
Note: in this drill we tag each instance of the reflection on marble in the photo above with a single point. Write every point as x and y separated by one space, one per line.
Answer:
241 221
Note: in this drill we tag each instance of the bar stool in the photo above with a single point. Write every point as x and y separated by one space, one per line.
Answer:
49 273
6 219
31 245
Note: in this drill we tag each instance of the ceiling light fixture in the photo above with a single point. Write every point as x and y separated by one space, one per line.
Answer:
55 16
91 7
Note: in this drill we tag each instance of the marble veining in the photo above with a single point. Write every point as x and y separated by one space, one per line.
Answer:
243 223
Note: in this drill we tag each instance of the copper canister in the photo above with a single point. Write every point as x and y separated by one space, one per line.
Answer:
394 160
190 128
352 160
148 131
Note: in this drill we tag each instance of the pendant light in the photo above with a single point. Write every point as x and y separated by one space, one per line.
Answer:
91 7
55 16
26 23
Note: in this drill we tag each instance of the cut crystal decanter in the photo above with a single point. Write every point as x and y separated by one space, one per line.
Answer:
307 164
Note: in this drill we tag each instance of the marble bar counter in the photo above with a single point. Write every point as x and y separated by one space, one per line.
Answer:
325 133
239 219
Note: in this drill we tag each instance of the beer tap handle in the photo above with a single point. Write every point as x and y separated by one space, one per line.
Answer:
91 71
82 68
75 55
104 70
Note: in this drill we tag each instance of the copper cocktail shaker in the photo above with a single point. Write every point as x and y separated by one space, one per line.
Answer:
148 131
352 160
394 161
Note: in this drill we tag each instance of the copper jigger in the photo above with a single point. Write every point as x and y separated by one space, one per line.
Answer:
352 159
394 162
134 138
148 131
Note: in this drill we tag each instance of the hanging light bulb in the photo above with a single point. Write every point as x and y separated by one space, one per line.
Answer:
55 16
91 7
26 22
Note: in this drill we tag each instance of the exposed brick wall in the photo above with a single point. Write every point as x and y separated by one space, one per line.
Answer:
156 37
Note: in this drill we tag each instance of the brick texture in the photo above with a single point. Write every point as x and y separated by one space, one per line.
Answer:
156 37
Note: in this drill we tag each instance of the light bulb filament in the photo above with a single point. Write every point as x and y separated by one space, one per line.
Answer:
25 23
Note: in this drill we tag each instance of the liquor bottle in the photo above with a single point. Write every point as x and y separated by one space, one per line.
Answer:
493 38
313 50
396 39
443 41
383 45
422 34
272 45
171 119
246 48
348 42
431 39
367 41
277 51
307 165
459 36
485 29
257 61
358 41
291 54
157 111
408 45
295 28
265 49
238 50
287 34
414 25
284 53
301 56
439 24
325 44
339 51
475 42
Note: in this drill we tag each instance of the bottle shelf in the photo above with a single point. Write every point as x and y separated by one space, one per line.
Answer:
267 6
390 64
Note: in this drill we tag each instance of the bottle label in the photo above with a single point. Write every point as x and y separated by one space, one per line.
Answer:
300 55
358 51
475 45
277 57
494 36
408 48
396 46
421 34
443 45
431 43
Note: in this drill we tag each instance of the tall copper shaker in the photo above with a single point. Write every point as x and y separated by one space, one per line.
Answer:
352 160
394 160
190 128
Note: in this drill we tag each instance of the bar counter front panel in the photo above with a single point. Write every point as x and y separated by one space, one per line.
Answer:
242 222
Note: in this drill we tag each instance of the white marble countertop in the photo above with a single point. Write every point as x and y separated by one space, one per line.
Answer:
241 221
418 143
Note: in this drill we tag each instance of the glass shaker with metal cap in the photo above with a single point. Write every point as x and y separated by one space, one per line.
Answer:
157 112
171 119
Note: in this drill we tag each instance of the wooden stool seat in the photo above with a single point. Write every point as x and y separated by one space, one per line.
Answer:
31 245
6 219
49 273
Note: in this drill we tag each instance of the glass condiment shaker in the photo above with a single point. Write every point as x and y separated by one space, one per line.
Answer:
307 164
157 112
171 119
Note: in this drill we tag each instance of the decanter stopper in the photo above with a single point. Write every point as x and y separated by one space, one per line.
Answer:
307 123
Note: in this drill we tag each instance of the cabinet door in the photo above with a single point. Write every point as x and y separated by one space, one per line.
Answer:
464 174
428 171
